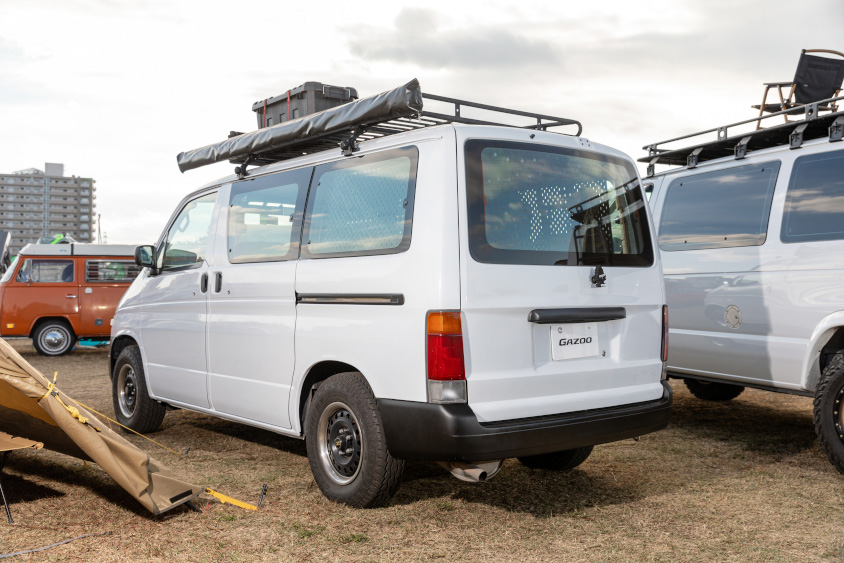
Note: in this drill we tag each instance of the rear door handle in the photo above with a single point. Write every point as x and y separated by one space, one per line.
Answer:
203 283
70 296
218 281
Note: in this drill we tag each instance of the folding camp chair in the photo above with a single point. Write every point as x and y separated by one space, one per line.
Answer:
8 444
816 78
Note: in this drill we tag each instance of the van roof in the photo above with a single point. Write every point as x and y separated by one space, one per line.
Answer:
78 249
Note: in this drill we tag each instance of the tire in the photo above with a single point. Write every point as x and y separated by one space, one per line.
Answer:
710 391
132 405
557 461
829 411
53 338
346 446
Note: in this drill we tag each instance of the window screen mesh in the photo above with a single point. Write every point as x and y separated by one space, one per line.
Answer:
360 208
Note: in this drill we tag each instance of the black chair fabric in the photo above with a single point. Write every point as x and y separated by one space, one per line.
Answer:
817 78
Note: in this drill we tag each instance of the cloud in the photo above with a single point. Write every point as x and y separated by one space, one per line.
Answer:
418 38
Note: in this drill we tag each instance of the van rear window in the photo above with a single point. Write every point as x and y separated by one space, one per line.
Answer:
545 205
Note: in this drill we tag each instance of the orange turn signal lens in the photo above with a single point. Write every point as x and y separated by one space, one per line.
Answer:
444 322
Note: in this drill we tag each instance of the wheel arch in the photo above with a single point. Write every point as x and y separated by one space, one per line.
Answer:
826 340
315 375
117 346
36 324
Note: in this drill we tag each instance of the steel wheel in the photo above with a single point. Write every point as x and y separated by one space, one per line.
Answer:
127 390
132 404
340 443
53 338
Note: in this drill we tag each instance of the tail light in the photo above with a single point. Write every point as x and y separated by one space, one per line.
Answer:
446 371
665 333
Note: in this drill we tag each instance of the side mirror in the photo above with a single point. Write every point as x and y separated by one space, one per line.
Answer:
145 256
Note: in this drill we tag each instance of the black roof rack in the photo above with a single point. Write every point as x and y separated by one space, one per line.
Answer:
388 113
793 134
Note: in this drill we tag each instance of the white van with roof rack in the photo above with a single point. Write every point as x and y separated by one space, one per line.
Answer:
751 232
436 289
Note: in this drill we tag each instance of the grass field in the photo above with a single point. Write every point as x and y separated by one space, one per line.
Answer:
738 481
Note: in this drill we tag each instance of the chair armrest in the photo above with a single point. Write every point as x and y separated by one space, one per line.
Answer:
777 83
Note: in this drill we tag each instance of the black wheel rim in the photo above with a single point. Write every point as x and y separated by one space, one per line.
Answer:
838 413
340 443
127 391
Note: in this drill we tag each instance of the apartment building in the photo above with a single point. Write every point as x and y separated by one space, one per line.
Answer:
36 203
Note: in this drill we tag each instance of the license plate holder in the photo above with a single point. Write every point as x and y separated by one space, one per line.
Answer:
574 340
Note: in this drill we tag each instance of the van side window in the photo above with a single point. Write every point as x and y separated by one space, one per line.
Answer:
111 271
46 271
188 235
814 203
265 217
725 208
361 206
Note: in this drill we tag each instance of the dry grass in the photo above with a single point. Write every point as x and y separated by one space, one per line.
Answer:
741 481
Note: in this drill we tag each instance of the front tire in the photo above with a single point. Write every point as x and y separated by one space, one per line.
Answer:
829 411
347 450
132 404
53 338
557 461
710 391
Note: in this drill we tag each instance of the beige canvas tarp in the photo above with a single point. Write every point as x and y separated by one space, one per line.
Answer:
29 408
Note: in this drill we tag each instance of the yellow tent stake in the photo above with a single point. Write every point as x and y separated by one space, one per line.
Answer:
224 499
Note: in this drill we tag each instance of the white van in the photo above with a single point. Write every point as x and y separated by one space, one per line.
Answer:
752 246
456 293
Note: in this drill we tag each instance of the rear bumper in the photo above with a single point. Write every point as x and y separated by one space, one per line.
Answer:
423 431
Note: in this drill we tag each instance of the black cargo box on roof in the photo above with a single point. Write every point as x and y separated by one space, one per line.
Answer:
310 97
394 111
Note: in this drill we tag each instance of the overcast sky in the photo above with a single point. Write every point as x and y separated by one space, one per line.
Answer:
116 89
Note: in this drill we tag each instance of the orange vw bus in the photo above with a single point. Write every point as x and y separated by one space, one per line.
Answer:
57 293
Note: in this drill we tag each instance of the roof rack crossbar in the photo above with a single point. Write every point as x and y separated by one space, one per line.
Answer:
554 121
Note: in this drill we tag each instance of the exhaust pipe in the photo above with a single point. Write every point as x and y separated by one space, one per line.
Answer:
473 472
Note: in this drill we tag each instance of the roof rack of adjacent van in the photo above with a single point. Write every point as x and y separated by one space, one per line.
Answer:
395 111
791 133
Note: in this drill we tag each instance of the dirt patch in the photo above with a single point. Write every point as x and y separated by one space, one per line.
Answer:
737 481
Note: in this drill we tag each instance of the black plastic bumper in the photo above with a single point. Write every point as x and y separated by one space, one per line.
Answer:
422 431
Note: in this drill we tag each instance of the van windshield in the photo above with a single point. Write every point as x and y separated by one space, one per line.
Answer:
9 271
545 205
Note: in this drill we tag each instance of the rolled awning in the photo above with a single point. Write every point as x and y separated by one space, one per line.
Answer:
404 101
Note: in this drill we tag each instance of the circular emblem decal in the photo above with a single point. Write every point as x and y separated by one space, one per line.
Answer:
733 316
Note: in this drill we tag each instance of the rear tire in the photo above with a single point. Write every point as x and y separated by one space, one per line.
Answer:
347 450
53 338
829 411
710 391
132 405
558 461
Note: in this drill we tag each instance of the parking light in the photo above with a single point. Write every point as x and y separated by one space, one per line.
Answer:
446 370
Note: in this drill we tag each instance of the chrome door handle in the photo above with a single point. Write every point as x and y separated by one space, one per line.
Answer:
70 296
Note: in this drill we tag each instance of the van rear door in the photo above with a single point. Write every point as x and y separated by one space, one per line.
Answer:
561 289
